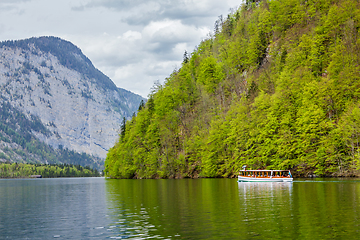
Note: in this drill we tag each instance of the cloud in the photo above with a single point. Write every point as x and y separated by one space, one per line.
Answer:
164 30
159 41
140 77
134 42
134 60
111 50
116 5
168 31
164 37
11 5
13 1
142 12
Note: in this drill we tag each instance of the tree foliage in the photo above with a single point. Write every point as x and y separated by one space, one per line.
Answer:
22 170
276 87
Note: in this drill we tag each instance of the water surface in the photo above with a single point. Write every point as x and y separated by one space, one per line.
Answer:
95 208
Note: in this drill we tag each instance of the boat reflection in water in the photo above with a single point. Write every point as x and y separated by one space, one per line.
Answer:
266 204
265 189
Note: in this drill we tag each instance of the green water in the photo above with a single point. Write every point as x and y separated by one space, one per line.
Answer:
96 208
225 209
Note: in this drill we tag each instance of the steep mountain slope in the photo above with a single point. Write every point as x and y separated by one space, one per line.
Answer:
277 86
50 80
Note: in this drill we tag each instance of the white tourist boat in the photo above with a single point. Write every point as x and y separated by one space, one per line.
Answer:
265 176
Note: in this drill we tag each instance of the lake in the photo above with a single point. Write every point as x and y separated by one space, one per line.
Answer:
97 208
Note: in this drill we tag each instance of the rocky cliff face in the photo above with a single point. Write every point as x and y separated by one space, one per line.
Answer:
50 78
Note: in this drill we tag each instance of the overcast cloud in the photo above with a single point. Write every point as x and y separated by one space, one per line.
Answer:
134 42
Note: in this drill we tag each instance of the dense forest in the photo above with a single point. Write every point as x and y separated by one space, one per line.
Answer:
19 143
276 86
22 170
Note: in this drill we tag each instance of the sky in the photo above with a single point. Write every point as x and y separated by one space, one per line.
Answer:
134 42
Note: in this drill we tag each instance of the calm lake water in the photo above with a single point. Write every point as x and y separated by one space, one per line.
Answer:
96 208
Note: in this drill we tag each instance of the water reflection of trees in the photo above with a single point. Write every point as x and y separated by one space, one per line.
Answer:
303 210
186 208
225 209
265 204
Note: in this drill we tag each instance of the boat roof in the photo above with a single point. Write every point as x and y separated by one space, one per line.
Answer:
246 170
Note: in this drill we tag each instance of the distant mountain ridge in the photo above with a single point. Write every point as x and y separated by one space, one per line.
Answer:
67 53
51 80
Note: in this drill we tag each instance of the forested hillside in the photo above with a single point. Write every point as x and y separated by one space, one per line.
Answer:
277 86
22 170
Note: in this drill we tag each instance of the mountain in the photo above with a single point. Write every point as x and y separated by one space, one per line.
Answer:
51 94
277 86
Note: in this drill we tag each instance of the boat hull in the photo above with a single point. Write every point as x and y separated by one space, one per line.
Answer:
261 179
